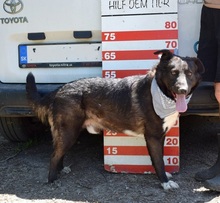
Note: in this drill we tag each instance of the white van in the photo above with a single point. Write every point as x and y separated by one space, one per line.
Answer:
60 41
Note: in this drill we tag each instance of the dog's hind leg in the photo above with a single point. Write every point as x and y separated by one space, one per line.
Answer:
64 136
155 148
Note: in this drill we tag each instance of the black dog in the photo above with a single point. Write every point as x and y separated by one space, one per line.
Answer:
146 105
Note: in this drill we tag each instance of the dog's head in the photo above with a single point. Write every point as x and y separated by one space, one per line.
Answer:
178 76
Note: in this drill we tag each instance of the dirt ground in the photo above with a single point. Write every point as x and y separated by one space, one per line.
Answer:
24 169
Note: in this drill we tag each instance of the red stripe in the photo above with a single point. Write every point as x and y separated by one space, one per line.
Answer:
137 150
172 132
141 35
138 168
129 55
124 73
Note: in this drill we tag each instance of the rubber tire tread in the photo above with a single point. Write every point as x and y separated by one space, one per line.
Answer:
19 129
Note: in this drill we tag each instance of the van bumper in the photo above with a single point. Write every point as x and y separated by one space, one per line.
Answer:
203 101
13 101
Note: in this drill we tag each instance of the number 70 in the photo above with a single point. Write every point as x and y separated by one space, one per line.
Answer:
171 44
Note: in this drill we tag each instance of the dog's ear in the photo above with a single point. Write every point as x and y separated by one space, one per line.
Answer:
166 54
198 62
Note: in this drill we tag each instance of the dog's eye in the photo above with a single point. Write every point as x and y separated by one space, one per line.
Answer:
173 72
189 73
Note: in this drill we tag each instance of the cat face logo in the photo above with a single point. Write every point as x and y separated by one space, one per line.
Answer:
13 6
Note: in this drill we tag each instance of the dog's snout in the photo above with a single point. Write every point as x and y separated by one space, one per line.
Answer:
181 84
182 91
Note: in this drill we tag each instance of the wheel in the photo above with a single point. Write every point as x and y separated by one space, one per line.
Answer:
20 129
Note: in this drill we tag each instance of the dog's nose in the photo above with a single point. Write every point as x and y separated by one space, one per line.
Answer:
182 91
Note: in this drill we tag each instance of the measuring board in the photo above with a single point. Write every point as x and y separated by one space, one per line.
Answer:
132 30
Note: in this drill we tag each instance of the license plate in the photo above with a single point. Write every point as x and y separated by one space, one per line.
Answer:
60 55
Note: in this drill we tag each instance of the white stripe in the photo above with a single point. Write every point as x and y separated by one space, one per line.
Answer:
129 64
133 141
134 45
127 160
135 160
124 141
136 23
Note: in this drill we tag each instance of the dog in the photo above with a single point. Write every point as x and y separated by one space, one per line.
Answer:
141 105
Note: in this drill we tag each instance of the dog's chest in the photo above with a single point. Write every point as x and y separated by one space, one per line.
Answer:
169 121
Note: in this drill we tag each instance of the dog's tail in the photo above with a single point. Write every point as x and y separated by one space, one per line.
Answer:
31 89
38 103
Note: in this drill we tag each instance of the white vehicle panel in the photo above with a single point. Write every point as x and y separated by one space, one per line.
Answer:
57 20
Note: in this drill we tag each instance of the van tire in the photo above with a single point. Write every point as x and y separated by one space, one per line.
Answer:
20 129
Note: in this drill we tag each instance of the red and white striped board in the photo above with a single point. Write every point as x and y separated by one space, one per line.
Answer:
127 154
132 30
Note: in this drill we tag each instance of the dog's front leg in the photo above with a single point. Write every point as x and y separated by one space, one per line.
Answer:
155 147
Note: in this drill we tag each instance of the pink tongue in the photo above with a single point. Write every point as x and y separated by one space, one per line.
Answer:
181 105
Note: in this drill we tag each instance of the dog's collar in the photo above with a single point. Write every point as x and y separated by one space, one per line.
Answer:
163 105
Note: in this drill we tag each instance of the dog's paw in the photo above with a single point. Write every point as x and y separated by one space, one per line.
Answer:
170 185
66 169
169 175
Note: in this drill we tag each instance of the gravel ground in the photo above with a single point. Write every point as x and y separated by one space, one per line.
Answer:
24 169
